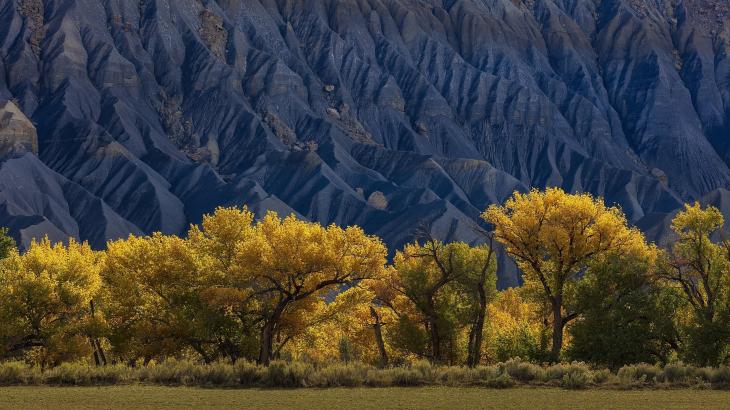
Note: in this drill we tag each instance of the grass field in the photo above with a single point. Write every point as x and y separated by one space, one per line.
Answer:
144 397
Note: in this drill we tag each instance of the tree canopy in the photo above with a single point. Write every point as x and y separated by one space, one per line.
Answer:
554 236
238 287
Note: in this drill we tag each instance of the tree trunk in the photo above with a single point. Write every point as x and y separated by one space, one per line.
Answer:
558 325
267 343
99 356
435 339
198 347
102 355
378 328
268 333
477 332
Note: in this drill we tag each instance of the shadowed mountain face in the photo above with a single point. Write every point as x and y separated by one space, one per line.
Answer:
390 114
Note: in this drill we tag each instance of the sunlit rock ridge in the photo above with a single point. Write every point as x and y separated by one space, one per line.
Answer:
389 114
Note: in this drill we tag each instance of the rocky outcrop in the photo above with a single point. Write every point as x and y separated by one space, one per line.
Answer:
390 114
17 133
213 33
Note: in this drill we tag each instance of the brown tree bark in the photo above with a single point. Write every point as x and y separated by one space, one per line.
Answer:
477 331
436 354
558 325
99 355
378 329
267 342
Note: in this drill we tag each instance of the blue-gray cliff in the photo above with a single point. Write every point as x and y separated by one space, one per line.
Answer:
390 114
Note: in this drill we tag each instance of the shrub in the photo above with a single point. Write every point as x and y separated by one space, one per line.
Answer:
677 372
458 376
487 373
577 377
555 372
721 375
428 372
503 381
523 371
603 376
341 375
707 374
216 374
18 373
379 378
78 374
248 374
700 384
641 373
561 373
171 372
405 377
283 374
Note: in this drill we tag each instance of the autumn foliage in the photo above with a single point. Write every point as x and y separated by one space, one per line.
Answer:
240 288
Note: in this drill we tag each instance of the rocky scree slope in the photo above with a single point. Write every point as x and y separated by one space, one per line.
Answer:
390 114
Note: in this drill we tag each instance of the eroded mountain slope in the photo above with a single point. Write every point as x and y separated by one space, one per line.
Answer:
391 114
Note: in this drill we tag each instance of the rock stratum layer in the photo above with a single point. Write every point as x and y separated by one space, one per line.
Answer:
390 114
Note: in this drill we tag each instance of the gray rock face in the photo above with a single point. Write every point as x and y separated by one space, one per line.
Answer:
390 114
17 133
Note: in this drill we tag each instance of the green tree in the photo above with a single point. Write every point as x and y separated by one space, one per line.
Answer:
479 284
700 269
7 244
450 285
553 237
626 314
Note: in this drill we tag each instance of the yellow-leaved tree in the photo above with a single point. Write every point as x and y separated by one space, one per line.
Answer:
553 236
46 309
289 260
270 274
217 239
700 269
154 300
515 328
341 329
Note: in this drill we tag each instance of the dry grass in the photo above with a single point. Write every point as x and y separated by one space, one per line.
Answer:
156 397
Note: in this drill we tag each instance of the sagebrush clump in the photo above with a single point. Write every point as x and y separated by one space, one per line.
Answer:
284 374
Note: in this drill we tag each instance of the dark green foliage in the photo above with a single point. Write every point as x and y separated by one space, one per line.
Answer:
7 243
627 317
409 336
522 344
706 341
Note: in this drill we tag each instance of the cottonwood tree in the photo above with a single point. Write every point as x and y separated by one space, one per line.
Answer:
626 313
229 293
395 320
700 268
154 299
479 284
515 328
553 236
446 283
342 327
286 262
7 244
46 293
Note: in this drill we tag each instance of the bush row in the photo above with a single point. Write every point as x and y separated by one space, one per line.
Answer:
282 374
